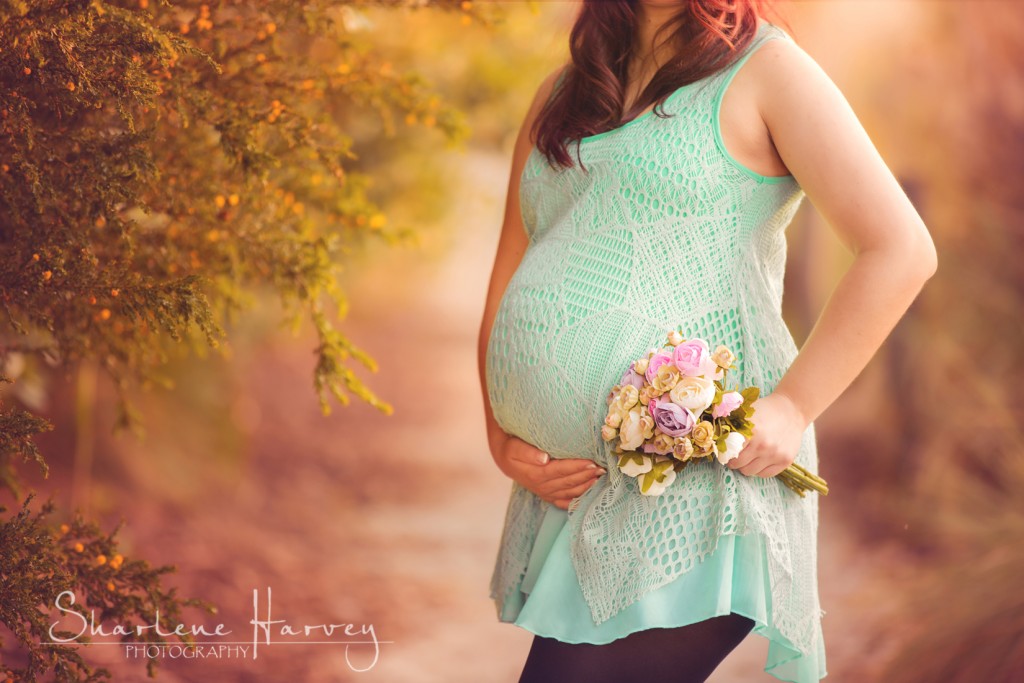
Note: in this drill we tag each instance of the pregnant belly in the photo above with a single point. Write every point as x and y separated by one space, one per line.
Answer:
549 369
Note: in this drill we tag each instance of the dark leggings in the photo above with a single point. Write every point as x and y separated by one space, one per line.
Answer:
687 654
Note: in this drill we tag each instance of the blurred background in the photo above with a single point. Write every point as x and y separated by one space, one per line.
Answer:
242 482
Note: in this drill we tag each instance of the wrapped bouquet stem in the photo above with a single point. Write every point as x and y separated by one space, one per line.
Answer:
672 407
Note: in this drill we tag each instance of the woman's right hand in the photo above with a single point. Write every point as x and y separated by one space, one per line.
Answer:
556 481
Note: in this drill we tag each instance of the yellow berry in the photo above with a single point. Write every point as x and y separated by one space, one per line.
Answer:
35 257
270 28
105 314
378 220
115 292
71 86
28 71
183 28
233 200
47 274
219 200
79 547
64 528
143 4
110 586
261 58
101 559
344 68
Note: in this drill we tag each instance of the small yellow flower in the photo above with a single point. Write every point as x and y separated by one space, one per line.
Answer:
115 292
219 200
35 257
116 561
71 86
47 274
233 200
703 435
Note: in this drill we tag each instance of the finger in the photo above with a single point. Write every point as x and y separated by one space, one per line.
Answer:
562 504
575 491
754 466
748 453
575 478
563 467
524 452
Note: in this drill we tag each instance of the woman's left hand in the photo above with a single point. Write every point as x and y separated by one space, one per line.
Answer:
778 429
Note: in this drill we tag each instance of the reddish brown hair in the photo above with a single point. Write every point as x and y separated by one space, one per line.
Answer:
707 35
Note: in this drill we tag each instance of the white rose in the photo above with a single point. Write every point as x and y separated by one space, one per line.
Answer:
733 444
695 393
635 464
631 431
662 474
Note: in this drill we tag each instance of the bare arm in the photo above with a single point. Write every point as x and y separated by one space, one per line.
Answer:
556 481
824 146
827 150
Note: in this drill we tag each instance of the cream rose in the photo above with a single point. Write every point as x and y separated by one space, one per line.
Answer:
631 431
695 393
665 378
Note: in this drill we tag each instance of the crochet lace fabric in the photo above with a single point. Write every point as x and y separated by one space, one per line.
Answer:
665 229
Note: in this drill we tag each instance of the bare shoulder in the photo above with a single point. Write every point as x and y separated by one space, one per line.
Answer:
826 148
540 97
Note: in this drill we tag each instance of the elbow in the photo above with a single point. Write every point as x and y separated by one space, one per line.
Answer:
926 259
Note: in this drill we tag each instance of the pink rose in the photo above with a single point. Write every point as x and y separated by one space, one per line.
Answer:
693 358
657 360
730 402
672 419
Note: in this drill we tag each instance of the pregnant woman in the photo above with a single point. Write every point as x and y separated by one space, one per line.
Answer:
652 182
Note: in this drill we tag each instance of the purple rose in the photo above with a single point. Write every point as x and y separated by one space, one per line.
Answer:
672 419
657 360
631 377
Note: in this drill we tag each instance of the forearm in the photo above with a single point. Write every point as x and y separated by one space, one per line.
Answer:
862 310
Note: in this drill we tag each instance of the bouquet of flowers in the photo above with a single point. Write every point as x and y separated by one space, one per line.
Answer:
671 407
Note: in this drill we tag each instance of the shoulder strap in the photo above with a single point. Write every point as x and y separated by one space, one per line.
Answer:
767 31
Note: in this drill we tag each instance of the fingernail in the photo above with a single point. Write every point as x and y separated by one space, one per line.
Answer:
543 459
592 465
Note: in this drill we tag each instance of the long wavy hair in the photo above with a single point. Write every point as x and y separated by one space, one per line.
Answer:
706 36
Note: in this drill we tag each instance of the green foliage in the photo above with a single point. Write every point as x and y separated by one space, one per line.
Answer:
39 562
160 164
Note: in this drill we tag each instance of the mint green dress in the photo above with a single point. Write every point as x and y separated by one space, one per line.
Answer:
665 228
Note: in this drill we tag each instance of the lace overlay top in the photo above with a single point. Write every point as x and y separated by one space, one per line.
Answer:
666 228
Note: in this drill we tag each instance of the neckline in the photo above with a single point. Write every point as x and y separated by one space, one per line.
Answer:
636 119
761 27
